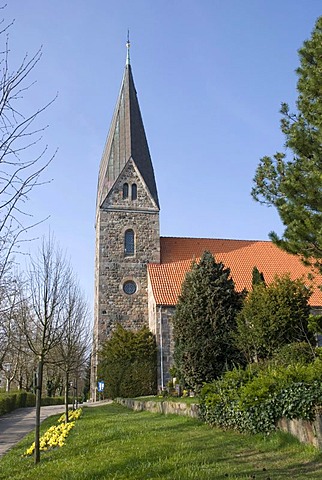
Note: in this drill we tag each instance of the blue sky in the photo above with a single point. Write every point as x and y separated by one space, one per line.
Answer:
210 76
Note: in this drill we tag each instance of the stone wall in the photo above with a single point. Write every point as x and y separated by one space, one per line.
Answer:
306 432
113 266
164 407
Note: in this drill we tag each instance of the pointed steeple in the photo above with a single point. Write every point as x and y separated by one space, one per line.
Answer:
126 139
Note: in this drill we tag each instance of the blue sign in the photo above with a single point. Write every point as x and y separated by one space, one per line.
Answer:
100 386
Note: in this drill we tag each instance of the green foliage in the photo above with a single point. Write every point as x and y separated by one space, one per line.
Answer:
128 363
203 323
11 401
293 185
315 324
255 400
298 352
257 277
273 316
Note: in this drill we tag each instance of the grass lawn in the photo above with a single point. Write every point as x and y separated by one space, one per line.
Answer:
112 442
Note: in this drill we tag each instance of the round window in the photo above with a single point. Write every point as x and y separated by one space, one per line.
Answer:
129 287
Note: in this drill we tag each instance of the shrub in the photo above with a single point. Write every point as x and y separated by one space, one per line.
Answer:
11 401
128 363
255 400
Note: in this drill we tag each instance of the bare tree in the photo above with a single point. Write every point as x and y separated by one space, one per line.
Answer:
23 159
43 319
73 349
10 338
23 156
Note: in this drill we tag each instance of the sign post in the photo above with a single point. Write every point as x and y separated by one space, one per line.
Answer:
100 386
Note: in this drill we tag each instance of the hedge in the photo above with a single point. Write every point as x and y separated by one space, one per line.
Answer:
11 401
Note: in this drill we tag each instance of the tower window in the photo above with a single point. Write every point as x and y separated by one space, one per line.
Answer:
129 287
129 243
125 190
134 191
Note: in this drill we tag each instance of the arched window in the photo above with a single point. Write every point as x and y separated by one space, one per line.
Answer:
129 243
125 190
134 191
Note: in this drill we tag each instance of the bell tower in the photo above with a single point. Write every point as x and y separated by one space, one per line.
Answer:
127 222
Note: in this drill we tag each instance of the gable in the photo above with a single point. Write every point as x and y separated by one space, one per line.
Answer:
177 255
130 191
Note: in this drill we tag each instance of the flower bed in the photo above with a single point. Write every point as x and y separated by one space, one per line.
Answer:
55 436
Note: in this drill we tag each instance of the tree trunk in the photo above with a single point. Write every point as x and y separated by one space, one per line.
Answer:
66 396
38 405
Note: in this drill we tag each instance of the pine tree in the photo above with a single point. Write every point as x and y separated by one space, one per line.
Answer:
204 322
294 185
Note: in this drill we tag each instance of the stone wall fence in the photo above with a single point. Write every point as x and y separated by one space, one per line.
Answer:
165 407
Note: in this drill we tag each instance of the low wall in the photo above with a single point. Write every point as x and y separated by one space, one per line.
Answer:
165 407
306 432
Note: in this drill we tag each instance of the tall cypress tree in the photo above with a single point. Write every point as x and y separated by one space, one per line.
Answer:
203 323
292 181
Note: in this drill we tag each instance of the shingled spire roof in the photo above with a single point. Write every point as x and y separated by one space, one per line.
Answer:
126 139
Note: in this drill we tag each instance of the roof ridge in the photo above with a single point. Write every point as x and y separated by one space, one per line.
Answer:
217 238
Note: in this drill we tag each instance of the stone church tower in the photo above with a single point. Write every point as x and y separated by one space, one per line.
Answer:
127 222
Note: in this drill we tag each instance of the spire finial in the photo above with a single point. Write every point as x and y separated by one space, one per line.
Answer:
128 48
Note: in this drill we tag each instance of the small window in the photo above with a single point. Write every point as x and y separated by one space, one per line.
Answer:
125 190
129 243
129 287
134 191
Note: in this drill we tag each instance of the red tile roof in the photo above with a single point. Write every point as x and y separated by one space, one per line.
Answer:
239 255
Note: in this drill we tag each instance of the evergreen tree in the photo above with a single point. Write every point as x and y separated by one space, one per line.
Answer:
273 316
128 363
203 323
294 185
257 277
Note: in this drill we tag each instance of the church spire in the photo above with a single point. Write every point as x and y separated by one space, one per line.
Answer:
128 45
126 139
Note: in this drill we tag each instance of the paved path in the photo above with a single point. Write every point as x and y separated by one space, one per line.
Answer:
15 425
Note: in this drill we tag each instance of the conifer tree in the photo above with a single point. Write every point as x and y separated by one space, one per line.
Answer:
292 181
203 323
257 277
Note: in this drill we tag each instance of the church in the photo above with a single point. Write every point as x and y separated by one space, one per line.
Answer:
138 273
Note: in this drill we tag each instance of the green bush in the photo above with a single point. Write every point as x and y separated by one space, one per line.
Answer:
298 352
7 403
30 399
20 399
254 400
128 363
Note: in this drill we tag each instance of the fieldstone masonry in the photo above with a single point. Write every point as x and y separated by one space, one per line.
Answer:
127 214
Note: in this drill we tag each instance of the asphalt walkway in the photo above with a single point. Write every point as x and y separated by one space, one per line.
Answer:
15 425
